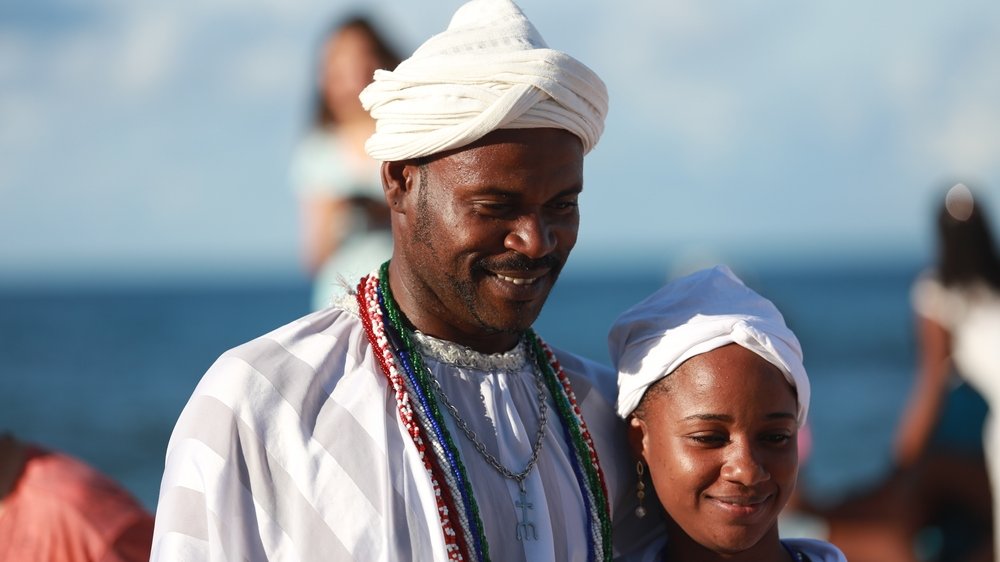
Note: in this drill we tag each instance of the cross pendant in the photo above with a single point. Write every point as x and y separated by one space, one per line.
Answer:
525 529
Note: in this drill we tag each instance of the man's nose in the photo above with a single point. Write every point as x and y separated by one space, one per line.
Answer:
532 236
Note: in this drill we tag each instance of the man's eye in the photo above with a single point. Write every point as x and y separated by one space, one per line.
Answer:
493 207
565 205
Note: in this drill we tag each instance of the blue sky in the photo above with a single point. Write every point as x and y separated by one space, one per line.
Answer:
150 140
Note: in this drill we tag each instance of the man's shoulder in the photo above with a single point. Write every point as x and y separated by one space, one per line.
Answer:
314 351
587 375
319 365
322 332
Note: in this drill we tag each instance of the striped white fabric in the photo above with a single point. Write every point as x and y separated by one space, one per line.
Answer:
291 449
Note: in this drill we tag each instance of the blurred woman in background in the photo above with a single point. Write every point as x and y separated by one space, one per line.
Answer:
958 323
345 221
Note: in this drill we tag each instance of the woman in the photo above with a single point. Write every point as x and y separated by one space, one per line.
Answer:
958 317
712 385
345 220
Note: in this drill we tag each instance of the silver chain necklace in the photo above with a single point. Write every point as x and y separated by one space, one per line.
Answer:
481 447
525 529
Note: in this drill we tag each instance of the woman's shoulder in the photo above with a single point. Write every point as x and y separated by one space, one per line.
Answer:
950 305
815 550
931 299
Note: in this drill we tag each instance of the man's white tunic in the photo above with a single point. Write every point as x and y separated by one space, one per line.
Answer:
291 448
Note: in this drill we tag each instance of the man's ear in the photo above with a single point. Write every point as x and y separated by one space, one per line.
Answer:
399 179
637 437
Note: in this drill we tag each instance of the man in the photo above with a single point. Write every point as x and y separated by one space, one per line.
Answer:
420 418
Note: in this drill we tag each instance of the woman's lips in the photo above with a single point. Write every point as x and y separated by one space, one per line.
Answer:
741 505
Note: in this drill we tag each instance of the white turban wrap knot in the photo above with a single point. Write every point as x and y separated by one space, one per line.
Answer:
489 70
693 315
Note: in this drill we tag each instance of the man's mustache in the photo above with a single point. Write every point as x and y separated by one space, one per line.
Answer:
518 262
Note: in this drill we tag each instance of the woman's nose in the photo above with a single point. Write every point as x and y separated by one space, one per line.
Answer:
743 465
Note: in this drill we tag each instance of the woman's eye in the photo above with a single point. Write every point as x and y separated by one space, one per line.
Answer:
709 439
777 438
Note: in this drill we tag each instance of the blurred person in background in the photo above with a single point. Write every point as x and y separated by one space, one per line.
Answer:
934 505
345 221
56 508
957 306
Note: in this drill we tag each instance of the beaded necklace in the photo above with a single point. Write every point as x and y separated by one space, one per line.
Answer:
458 512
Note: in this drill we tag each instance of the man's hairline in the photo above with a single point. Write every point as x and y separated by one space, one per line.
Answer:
429 158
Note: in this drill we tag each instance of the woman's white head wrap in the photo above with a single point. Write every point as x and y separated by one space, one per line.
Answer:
693 315
489 70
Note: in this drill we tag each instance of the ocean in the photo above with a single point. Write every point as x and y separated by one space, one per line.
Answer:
103 373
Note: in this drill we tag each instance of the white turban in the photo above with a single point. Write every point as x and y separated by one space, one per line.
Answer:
693 315
489 70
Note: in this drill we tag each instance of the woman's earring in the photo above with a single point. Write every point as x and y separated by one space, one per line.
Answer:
640 489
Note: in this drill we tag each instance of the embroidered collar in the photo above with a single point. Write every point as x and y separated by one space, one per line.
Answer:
515 360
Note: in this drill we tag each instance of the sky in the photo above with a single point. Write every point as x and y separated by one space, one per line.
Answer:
144 140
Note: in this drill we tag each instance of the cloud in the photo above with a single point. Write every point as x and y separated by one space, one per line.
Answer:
25 123
268 70
23 118
21 110
146 50
968 141
940 88
967 137
14 56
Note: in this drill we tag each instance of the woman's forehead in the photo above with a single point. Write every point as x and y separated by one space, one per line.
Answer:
728 373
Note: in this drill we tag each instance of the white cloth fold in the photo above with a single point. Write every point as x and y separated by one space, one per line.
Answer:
693 315
489 70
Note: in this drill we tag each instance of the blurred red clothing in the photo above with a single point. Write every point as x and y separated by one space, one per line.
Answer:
61 510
